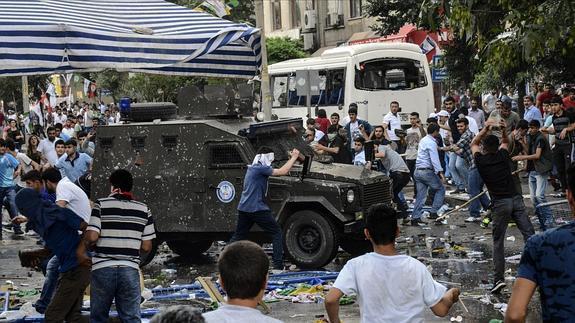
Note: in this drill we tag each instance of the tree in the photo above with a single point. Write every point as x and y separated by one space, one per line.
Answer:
152 87
284 48
11 88
243 12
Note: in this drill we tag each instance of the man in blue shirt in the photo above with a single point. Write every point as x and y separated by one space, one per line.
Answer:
428 176
253 208
74 164
547 263
8 165
59 229
531 111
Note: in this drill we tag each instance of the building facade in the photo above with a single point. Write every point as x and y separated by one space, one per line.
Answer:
321 23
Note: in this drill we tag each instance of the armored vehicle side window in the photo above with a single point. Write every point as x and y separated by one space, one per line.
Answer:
226 156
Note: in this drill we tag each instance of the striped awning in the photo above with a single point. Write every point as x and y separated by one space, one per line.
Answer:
150 36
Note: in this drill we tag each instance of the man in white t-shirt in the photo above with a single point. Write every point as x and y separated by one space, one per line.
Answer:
489 102
47 147
243 268
391 122
389 287
68 194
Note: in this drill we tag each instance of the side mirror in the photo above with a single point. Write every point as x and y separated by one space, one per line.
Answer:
340 107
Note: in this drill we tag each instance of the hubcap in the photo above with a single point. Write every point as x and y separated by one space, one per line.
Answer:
309 239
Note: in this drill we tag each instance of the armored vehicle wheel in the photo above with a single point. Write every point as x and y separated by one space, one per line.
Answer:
355 247
310 239
141 112
146 258
186 248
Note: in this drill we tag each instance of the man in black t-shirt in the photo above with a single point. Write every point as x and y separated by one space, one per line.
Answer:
495 170
563 127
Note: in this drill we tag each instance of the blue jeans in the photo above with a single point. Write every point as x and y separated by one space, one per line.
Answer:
50 283
537 187
8 198
458 171
447 172
266 221
119 283
474 187
426 179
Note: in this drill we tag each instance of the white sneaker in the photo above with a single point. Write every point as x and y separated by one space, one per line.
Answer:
472 219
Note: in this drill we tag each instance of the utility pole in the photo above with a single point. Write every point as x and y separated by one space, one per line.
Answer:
25 98
266 96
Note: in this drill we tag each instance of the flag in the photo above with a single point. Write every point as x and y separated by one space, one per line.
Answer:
86 86
427 45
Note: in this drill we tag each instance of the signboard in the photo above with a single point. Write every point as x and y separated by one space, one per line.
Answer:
438 70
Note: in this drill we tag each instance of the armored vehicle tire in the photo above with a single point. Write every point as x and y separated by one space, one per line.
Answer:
355 247
187 248
146 258
142 112
310 239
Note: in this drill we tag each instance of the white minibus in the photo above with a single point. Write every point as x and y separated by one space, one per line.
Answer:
370 75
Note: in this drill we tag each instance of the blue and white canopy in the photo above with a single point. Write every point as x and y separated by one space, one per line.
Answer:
150 36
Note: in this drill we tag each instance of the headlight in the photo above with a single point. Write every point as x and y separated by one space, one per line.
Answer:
350 196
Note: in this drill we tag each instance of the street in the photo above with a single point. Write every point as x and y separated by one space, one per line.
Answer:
467 265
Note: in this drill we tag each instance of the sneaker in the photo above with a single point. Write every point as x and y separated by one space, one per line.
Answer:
450 182
457 191
418 222
485 213
498 286
8 229
432 216
406 220
472 219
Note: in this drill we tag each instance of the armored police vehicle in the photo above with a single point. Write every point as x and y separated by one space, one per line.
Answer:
190 172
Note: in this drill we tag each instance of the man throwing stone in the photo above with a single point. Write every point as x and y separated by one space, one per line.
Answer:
253 209
495 170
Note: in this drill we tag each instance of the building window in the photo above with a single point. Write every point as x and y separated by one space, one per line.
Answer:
296 14
277 15
355 8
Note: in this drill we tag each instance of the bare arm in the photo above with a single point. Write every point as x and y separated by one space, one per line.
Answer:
535 156
284 170
146 245
523 290
61 203
476 142
504 137
332 304
331 150
449 298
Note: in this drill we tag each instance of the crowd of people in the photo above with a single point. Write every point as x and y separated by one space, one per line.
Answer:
467 145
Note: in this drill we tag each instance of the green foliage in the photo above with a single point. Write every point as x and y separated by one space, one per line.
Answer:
244 12
11 88
283 48
152 87
110 80
392 14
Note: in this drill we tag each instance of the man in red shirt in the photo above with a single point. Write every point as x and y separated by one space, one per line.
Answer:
569 100
547 94
322 120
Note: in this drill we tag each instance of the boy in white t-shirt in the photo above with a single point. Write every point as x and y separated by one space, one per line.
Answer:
389 287
243 268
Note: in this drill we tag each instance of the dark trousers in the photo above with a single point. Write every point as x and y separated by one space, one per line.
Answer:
67 301
120 284
399 181
266 221
505 209
562 159
411 165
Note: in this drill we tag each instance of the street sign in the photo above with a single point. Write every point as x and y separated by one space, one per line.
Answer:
438 70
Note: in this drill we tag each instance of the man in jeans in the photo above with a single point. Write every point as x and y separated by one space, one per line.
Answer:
252 207
563 125
115 265
539 165
8 167
428 176
495 170
456 166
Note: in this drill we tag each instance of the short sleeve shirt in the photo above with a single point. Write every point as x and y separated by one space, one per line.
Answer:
562 122
75 168
547 260
393 123
412 139
7 166
255 189
400 293
495 170
77 200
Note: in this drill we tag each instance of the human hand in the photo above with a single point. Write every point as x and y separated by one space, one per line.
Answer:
294 153
19 219
454 294
517 158
563 134
84 260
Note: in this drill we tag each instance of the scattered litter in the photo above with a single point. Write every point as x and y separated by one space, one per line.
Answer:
495 321
502 307
296 315
510 238
513 259
458 318
475 254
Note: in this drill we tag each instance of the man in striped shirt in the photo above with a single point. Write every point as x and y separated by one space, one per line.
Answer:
120 228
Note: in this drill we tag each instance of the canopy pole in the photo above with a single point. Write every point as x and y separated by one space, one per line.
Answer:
25 98
265 77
